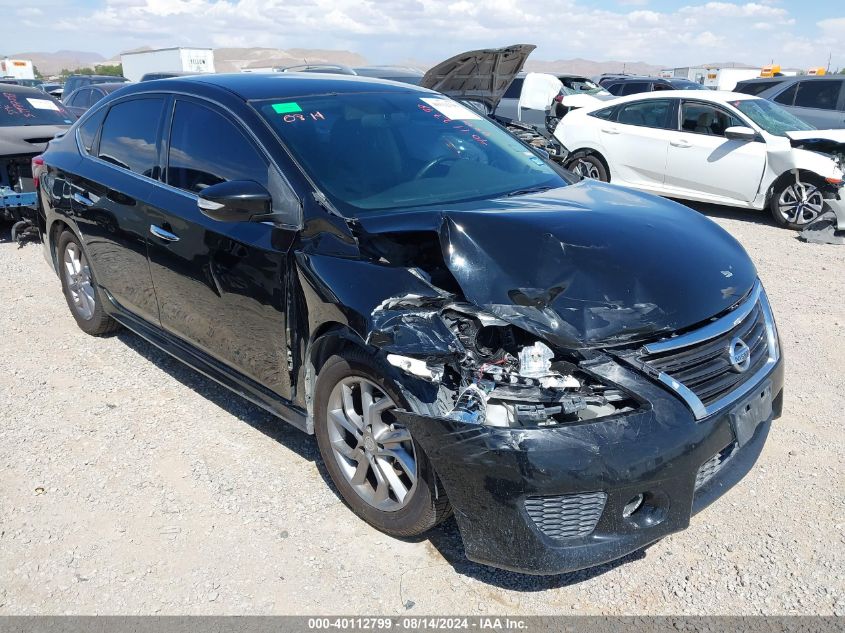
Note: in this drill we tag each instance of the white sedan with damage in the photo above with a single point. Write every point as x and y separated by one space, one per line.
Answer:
720 147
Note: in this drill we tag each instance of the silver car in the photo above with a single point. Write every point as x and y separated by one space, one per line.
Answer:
820 101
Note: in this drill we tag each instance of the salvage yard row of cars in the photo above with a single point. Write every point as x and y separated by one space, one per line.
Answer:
569 367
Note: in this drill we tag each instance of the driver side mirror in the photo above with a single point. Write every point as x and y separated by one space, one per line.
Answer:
740 133
235 201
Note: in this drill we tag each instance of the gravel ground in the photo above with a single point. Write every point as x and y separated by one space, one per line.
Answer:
130 484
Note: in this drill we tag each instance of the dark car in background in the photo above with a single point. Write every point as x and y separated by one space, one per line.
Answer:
83 98
29 119
77 81
389 270
621 86
817 100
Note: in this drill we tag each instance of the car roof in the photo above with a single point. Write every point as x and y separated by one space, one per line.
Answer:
22 89
713 96
790 78
254 86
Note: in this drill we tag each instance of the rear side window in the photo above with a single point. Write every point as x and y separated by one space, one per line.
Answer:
614 89
755 88
206 149
822 95
88 130
662 87
129 135
605 113
514 90
787 96
634 87
651 113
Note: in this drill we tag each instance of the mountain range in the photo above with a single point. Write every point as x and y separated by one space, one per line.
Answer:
236 59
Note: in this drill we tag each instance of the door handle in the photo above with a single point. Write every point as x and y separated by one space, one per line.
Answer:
85 202
681 144
610 130
160 233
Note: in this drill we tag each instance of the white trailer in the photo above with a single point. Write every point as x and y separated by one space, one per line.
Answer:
179 60
17 68
727 78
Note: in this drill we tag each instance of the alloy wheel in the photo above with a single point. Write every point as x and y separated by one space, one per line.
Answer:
376 458
586 169
800 203
79 283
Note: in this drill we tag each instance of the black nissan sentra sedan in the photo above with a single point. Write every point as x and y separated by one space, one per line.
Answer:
571 368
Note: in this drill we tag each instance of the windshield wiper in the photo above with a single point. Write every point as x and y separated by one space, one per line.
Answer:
525 192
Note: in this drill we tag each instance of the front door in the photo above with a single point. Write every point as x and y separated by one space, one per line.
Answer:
704 165
220 284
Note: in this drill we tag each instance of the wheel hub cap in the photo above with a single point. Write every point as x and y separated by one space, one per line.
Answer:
376 458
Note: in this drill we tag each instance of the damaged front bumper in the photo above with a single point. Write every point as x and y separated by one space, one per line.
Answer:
558 499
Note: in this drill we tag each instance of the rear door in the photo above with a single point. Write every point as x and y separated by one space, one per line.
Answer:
637 141
220 285
110 195
703 164
819 102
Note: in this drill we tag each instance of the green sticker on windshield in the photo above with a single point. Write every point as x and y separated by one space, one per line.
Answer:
286 108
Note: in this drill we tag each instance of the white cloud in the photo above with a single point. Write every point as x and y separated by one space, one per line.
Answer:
394 30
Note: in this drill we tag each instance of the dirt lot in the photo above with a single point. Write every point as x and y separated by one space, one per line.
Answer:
131 485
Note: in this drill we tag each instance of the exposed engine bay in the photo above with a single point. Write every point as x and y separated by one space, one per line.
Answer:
501 376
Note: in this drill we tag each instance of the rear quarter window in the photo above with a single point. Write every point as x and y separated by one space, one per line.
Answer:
755 88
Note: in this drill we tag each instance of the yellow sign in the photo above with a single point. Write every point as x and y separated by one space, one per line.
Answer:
770 70
816 71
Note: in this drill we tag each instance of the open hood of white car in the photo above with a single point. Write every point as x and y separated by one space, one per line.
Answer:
481 75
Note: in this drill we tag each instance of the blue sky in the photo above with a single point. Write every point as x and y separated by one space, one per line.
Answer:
792 32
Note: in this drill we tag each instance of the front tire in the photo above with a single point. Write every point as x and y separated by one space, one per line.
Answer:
589 166
380 471
81 291
794 205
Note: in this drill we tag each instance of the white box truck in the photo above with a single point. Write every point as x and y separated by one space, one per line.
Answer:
172 60
17 68
727 78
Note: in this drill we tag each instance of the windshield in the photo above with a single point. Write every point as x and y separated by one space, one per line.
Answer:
580 85
770 116
36 108
370 151
685 84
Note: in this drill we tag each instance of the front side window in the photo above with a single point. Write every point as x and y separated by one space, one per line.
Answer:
129 135
400 149
822 95
207 149
651 113
702 118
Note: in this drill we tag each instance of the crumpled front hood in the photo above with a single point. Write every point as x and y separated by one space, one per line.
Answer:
27 139
587 265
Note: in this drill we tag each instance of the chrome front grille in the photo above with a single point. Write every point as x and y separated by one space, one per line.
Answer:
566 516
699 365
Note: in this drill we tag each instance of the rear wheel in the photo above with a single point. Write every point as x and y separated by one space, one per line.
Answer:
377 467
795 204
80 288
589 166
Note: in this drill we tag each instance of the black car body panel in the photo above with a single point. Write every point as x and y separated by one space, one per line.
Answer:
489 473
565 271
597 272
